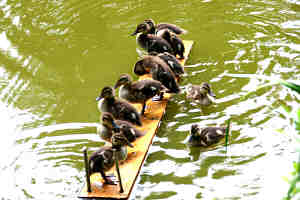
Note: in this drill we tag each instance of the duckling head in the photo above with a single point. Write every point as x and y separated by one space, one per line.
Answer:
123 80
195 130
141 28
150 22
106 92
139 68
206 89
118 140
108 120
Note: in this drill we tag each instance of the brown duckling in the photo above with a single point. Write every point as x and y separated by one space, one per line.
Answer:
139 91
200 93
154 28
171 61
159 70
205 136
109 124
151 42
104 159
175 42
119 109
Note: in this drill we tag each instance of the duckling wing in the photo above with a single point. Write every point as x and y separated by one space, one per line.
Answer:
175 29
159 45
168 80
213 134
128 113
172 62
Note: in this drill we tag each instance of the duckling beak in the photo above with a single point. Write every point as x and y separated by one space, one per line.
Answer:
117 84
134 33
116 128
98 98
130 145
212 94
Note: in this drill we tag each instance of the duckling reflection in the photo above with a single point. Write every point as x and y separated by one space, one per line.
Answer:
139 91
201 94
119 109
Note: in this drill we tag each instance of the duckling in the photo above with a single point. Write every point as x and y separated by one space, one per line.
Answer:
200 93
106 128
138 91
119 109
104 159
205 136
171 61
175 42
159 70
151 42
161 26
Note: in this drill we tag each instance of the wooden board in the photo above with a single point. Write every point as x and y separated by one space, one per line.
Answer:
131 167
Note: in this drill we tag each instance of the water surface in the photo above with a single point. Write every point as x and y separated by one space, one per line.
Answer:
55 56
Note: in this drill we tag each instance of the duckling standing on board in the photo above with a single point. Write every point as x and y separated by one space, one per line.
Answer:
161 26
119 109
151 42
104 159
205 136
139 91
200 93
175 42
108 124
171 61
159 70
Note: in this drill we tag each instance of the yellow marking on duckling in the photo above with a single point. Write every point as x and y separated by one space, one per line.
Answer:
131 167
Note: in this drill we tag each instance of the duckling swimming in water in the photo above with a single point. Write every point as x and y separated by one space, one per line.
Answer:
104 159
119 109
159 70
138 91
161 26
205 136
200 93
108 124
151 42
175 42
171 61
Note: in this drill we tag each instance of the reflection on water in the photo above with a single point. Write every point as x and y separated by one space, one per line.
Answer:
55 56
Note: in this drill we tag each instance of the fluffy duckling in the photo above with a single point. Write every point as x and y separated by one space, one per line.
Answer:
205 136
175 42
109 124
161 26
139 91
104 159
171 61
119 109
159 70
200 93
151 42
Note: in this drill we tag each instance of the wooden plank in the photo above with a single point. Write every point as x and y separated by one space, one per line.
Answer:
136 156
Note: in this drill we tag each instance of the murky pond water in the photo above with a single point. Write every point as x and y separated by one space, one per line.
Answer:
55 56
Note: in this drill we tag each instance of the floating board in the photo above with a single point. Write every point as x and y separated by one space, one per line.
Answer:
131 167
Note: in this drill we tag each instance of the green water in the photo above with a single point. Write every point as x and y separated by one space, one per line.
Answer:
55 56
